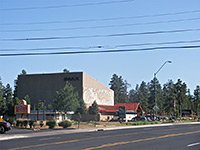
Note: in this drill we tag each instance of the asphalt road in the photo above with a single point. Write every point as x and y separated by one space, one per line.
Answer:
176 137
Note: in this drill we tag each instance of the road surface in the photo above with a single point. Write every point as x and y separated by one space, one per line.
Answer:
175 137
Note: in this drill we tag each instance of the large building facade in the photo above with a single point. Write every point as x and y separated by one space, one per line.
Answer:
41 87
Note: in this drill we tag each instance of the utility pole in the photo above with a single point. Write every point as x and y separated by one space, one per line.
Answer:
156 106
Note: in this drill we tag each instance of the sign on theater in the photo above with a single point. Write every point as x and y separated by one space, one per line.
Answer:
22 107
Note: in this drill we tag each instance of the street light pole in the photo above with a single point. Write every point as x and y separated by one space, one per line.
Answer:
156 107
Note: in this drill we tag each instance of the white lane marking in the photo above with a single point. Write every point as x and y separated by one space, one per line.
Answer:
193 144
50 138
12 137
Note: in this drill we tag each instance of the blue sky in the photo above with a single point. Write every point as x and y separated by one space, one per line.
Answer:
134 67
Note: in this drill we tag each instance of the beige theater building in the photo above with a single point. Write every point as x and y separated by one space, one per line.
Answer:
44 87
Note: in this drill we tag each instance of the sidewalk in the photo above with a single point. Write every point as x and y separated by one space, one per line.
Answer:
49 132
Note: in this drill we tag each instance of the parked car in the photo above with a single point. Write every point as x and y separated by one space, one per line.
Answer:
148 118
4 126
139 118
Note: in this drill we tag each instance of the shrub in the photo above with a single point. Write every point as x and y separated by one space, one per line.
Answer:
35 124
155 122
31 123
25 123
11 121
41 124
65 124
51 124
19 123
171 120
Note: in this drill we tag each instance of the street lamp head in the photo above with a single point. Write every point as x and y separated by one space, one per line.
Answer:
169 61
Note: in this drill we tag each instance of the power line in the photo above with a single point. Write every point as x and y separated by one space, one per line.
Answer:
103 51
104 26
106 35
102 46
67 6
104 19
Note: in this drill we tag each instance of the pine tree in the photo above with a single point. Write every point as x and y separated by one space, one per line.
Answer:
181 97
197 99
9 100
82 107
66 99
133 95
118 86
143 96
169 97
155 88
94 109
3 107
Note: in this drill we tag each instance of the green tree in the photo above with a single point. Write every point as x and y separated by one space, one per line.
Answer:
143 96
169 97
66 99
133 95
9 100
82 107
3 107
197 99
23 72
66 71
118 86
94 109
181 91
155 88
27 98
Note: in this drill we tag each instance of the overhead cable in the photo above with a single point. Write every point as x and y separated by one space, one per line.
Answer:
101 46
102 51
104 26
100 36
103 19
67 6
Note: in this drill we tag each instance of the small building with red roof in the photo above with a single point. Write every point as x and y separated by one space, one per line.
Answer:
108 112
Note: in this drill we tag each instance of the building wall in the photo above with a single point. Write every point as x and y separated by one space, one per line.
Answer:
44 86
94 90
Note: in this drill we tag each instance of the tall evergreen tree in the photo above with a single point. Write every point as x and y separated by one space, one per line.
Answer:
3 107
143 96
9 100
82 107
197 99
118 86
16 100
155 92
66 99
94 109
181 90
169 97
133 95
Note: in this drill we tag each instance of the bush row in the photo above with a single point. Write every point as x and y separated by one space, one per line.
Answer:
52 123
24 123
142 123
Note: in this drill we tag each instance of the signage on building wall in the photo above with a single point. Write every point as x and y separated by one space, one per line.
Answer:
22 107
122 112
71 79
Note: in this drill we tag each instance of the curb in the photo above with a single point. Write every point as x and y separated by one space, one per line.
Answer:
47 133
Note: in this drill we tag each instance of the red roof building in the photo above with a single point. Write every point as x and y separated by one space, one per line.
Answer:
108 110
129 107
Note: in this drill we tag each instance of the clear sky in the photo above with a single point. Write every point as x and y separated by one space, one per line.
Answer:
99 22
